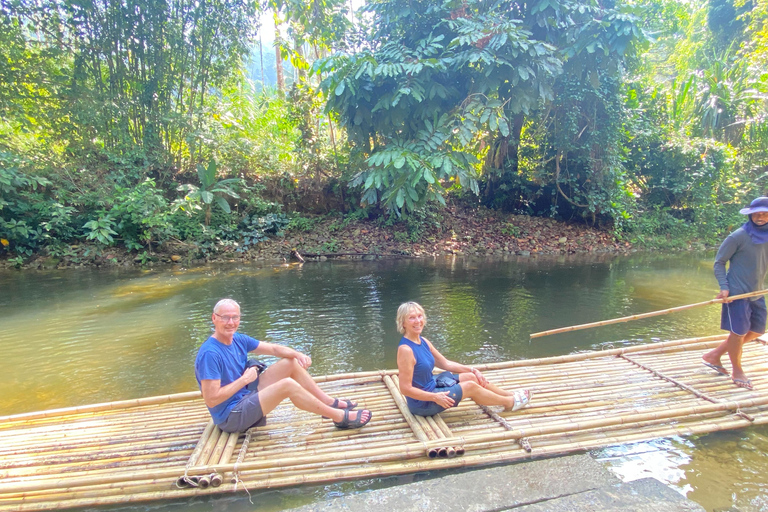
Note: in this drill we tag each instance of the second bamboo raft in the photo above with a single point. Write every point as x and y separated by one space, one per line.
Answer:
166 447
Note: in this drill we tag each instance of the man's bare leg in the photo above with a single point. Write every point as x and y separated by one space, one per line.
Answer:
270 397
733 346
290 369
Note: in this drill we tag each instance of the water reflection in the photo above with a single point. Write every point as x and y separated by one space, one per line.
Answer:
82 336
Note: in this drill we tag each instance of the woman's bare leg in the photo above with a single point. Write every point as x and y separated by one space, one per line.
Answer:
465 377
483 396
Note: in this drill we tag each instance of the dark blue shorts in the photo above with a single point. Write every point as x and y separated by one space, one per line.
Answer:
744 315
247 413
432 408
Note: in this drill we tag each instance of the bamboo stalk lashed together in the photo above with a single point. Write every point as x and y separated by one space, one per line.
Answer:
89 456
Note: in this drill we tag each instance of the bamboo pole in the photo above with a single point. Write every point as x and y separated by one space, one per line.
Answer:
100 444
430 427
226 456
52 442
107 406
372 375
445 451
73 427
130 466
211 432
647 315
416 427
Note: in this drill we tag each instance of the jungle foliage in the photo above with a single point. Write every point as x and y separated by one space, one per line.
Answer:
441 84
133 122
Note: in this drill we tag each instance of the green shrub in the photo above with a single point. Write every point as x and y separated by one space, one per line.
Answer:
510 229
101 230
354 216
29 219
255 229
251 202
141 215
299 224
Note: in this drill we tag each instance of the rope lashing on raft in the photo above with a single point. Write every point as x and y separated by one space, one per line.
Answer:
686 387
524 443
236 470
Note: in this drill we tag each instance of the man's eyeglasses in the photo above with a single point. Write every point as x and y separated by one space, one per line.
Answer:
227 318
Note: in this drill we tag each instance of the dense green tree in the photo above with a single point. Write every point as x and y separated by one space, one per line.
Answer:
726 21
437 83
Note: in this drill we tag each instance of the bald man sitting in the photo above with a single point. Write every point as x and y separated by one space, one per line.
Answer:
239 397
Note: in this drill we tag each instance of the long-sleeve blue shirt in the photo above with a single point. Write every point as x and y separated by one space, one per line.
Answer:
748 264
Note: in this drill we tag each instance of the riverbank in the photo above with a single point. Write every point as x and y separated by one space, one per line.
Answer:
456 229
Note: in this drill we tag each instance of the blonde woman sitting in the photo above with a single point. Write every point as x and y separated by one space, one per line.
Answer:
427 394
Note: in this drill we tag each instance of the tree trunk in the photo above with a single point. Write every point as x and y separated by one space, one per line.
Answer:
261 58
302 73
279 59
505 159
514 143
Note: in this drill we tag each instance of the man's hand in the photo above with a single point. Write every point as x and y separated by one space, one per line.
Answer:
723 294
304 360
250 374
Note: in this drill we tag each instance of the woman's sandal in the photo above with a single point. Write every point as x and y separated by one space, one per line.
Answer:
522 398
356 423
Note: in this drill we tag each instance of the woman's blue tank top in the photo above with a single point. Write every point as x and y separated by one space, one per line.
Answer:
422 371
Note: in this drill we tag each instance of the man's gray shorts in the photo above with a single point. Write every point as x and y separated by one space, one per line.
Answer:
247 413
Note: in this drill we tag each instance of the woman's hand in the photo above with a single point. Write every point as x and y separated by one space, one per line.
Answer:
480 377
443 400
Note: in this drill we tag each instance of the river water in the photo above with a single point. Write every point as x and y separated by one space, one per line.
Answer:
72 337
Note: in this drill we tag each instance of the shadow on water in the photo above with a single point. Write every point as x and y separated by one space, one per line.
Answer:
82 336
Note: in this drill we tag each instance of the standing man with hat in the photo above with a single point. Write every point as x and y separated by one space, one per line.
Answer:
746 251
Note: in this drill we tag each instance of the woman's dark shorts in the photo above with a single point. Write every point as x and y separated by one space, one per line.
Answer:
454 391
744 315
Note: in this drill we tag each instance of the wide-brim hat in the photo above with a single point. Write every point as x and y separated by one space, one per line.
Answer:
758 205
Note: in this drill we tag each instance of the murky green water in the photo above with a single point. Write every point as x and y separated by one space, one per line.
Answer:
83 336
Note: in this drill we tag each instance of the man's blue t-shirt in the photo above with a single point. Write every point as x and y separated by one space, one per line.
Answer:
226 363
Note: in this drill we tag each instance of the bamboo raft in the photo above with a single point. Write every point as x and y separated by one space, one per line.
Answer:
167 448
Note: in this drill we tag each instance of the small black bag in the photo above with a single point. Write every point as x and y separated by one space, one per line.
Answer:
260 365
445 380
